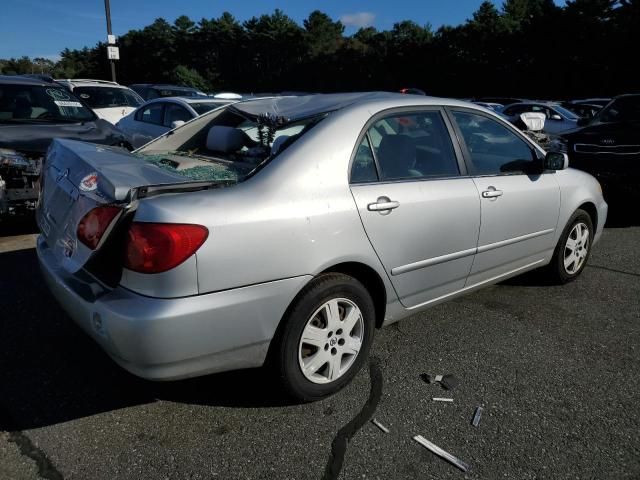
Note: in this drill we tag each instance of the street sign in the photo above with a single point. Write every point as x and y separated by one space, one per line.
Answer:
111 39
113 53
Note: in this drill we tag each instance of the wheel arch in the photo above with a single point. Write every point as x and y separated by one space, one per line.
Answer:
361 272
371 281
591 209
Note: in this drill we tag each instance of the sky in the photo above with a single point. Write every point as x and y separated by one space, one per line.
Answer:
43 28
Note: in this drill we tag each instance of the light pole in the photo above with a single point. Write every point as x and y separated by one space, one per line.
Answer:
107 9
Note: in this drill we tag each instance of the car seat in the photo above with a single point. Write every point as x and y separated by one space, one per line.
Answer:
397 157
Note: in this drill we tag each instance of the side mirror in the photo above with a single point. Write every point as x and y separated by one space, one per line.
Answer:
555 116
583 122
556 161
177 123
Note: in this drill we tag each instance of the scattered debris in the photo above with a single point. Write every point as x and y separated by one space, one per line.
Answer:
448 382
476 417
380 426
441 453
440 399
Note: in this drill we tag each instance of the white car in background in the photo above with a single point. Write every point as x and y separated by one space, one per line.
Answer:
160 115
109 100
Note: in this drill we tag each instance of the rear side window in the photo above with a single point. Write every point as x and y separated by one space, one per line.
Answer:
151 114
364 165
413 145
494 149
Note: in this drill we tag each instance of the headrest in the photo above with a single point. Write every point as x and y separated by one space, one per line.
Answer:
277 143
397 155
226 139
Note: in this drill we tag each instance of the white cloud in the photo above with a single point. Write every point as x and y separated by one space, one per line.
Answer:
358 19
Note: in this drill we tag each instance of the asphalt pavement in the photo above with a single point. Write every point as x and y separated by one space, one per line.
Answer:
555 368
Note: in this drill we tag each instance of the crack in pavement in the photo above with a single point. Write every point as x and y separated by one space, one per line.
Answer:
344 435
46 469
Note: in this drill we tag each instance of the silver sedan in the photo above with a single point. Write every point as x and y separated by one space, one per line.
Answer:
160 115
292 228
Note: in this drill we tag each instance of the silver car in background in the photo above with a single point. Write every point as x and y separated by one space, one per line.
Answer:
160 115
558 118
291 228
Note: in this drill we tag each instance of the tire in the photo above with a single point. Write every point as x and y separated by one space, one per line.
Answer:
560 271
326 350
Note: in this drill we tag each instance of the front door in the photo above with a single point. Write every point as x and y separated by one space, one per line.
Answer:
421 216
519 204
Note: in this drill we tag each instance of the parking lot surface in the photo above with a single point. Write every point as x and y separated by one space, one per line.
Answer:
556 369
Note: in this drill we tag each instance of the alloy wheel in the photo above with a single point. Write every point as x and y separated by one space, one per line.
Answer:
576 248
331 341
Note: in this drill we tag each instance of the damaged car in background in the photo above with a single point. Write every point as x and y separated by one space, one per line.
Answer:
291 228
34 111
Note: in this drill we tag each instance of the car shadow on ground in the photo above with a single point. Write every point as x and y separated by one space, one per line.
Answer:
18 225
51 372
623 214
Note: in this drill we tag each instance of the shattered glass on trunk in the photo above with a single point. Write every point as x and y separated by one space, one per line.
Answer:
205 171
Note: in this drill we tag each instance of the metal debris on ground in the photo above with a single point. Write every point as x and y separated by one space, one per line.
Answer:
441 453
440 399
380 426
448 382
476 417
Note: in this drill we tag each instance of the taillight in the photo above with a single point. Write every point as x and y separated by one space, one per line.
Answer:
93 225
158 247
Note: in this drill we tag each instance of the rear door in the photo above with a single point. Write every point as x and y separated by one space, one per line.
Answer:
421 214
519 204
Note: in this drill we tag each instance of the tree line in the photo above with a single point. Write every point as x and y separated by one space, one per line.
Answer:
529 48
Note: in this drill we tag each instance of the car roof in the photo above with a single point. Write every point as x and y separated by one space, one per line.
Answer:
188 100
89 82
23 80
162 85
299 107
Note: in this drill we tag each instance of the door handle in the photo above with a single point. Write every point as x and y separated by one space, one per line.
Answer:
491 192
383 205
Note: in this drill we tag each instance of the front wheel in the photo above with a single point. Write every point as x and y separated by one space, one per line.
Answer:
326 337
573 249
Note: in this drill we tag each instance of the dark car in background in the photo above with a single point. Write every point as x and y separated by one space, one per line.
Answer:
608 147
149 91
33 112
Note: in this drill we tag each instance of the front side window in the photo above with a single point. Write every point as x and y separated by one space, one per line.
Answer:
413 145
151 114
516 110
494 148
174 113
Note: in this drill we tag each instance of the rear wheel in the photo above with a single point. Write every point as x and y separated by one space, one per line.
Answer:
326 338
573 249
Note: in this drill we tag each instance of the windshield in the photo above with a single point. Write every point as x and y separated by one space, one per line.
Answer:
176 92
230 147
34 103
625 109
107 97
566 113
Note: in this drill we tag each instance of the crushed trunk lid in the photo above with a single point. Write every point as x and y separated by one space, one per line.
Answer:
77 177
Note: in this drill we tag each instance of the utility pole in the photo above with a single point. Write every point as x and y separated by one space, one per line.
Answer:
110 50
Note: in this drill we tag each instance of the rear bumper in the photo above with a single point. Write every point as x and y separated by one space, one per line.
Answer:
167 339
